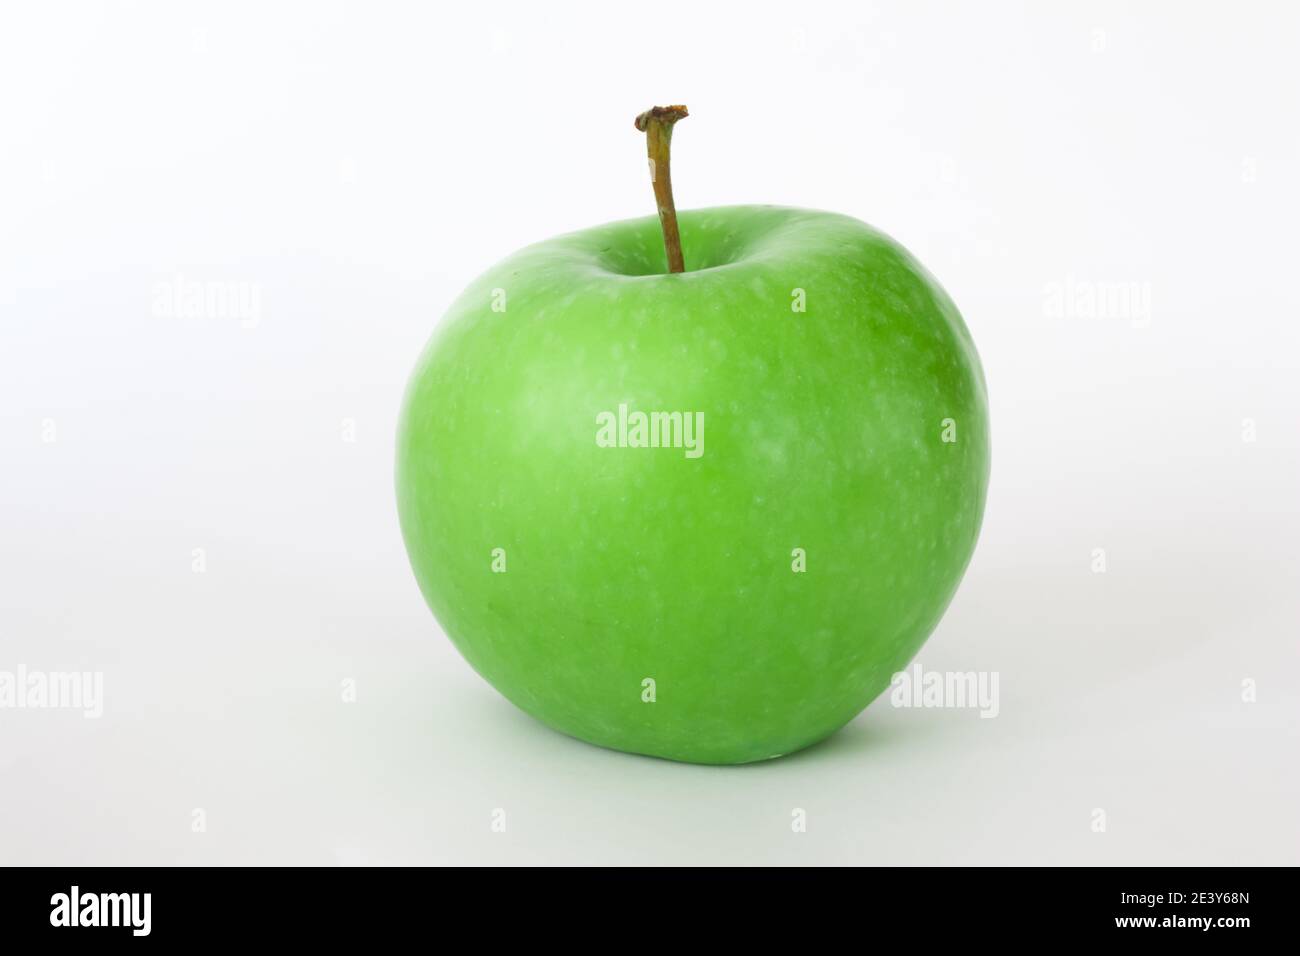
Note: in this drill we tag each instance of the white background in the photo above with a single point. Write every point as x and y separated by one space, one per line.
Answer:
356 165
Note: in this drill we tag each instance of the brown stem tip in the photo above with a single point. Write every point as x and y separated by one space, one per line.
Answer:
657 124
662 114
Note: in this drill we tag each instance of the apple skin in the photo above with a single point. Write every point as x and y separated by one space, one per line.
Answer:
824 431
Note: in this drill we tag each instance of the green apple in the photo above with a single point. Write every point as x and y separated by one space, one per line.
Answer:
704 515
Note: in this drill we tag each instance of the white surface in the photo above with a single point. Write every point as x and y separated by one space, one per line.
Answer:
356 165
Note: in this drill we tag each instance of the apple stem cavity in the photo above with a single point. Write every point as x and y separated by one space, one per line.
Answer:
657 124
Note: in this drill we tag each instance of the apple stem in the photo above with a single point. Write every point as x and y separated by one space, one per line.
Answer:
657 124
